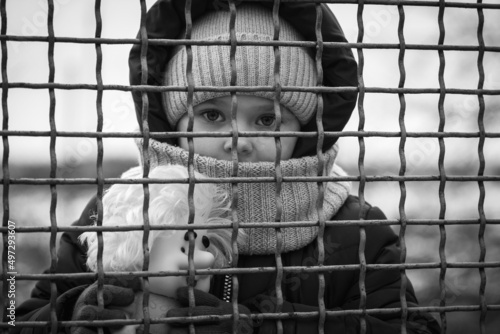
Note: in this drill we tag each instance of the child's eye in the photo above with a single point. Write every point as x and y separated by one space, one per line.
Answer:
213 116
266 120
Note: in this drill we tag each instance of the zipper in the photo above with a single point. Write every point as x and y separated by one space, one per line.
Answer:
228 287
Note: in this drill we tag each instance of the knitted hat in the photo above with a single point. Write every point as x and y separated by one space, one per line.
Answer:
254 64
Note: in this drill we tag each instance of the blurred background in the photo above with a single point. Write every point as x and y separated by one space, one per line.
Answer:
76 111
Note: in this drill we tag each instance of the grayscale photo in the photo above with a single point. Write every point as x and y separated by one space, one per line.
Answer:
250 166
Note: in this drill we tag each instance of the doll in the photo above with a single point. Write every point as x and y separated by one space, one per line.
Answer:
168 204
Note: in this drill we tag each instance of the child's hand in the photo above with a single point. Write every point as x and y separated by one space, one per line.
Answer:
117 292
207 304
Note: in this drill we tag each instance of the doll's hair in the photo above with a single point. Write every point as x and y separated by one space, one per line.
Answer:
168 204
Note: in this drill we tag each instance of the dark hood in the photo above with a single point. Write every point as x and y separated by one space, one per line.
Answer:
166 20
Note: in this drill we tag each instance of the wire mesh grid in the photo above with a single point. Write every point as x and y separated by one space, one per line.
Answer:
442 309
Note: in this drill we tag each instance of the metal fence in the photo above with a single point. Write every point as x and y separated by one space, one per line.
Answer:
487 310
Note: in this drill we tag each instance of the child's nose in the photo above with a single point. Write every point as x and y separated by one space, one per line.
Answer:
244 146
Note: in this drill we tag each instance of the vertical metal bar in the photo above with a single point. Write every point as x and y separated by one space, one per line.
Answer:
100 183
53 167
321 165
362 181
279 176
234 99
442 174
144 96
482 163
402 170
145 158
5 163
234 158
190 93
145 264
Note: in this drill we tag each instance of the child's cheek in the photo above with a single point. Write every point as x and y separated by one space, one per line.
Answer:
265 148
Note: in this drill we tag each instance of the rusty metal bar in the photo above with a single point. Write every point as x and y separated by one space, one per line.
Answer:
143 36
202 134
175 42
53 168
100 155
253 270
44 181
321 163
420 178
234 159
442 172
482 163
279 176
5 168
249 89
361 167
191 184
283 316
402 170
423 3
385 222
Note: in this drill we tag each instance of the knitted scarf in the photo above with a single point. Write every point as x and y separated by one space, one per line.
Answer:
257 201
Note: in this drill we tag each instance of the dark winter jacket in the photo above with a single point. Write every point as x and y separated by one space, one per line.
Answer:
300 290
166 20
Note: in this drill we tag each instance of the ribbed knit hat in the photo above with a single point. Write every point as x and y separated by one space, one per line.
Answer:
254 64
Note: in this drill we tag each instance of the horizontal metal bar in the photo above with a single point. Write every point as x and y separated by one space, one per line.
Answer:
291 315
253 270
248 89
204 134
375 178
310 44
399 2
208 226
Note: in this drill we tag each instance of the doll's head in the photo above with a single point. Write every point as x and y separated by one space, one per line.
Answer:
168 205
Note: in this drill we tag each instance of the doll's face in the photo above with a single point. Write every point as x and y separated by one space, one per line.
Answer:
170 253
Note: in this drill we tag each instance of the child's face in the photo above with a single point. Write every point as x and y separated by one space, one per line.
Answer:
253 114
170 253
